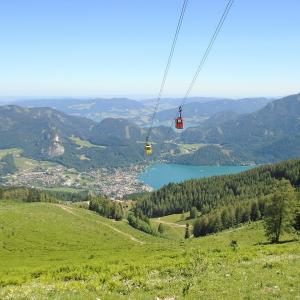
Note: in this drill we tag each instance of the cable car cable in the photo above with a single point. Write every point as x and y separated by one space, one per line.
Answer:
208 49
205 55
183 9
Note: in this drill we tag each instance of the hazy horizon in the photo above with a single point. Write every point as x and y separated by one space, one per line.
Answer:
137 98
114 48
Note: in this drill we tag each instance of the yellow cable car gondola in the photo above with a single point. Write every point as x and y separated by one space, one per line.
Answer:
148 149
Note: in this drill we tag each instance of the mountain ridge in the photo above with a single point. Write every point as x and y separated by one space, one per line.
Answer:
255 136
46 134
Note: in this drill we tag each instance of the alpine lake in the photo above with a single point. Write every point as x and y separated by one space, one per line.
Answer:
160 174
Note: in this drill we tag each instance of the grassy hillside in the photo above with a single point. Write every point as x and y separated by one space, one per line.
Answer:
50 251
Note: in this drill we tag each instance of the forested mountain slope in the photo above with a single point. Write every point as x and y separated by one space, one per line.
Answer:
47 134
209 193
268 135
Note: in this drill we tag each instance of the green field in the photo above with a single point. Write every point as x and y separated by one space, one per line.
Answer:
51 251
84 143
14 151
25 163
187 148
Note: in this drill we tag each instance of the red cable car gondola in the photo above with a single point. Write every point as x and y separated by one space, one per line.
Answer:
179 120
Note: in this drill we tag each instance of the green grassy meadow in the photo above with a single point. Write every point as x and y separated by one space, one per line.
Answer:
52 251
24 163
84 143
187 148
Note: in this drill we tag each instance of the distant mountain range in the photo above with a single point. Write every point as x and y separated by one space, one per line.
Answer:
47 134
195 111
71 106
268 135
228 135
208 109
167 103
96 109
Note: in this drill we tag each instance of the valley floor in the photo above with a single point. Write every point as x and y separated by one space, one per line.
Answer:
50 251
114 182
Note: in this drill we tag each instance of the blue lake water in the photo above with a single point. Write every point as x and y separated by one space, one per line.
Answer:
158 175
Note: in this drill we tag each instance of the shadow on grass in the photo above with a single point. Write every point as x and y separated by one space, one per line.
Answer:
278 243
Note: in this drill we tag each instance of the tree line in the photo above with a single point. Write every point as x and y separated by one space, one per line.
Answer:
37 195
100 204
227 217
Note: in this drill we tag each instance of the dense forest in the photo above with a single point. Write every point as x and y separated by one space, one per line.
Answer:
106 207
229 216
210 193
279 210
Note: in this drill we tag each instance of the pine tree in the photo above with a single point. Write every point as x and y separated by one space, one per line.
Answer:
246 214
255 213
225 218
118 212
161 228
261 206
238 214
193 213
280 211
297 221
187 231
231 213
182 218
200 227
217 223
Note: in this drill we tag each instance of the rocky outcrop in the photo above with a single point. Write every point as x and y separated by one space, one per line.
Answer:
56 147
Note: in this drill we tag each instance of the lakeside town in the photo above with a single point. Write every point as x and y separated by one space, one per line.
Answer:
113 182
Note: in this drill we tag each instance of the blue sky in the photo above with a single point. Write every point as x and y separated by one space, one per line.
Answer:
119 48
